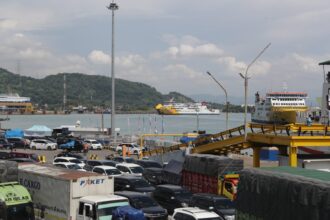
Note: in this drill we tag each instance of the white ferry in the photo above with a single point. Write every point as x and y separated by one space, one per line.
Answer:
173 108
279 107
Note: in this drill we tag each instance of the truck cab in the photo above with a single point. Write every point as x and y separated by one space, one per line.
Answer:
227 185
15 202
99 207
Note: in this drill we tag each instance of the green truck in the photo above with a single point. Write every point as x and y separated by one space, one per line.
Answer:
284 193
15 202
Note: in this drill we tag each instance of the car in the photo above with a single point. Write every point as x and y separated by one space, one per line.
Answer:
171 197
93 144
132 183
130 168
221 205
18 142
74 145
69 165
106 170
15 154
153 175
121 159
193 213
4 143
80 163
148 163
69 154
132 148
101 162
22 160
42 144
151 209
4 155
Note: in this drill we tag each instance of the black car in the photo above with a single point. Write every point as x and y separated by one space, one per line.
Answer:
18 142
223 206
153 175
4 155
171 197
132 183
4 143
148 163
151 209
123 159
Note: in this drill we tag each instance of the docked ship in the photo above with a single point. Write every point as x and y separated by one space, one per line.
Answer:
279 107
10 103
194 108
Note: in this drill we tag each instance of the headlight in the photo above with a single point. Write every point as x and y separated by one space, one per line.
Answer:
230 217
183 204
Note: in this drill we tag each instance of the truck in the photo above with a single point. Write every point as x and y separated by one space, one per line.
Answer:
283 193
64 194
15 200
205 173
308 161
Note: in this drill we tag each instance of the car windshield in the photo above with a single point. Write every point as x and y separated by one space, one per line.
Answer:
143 202
153 164
112 172
129 160
136 169
73 167
21 211
113 164
75 161
182 193
141 183
224 204
94 142
212 218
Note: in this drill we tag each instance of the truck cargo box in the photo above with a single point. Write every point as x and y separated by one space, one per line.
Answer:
56 191
284 193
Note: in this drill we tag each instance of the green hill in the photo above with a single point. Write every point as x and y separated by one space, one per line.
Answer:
86 90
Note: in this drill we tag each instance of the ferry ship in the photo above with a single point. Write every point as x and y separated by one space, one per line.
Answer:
173 108
14 103
279 107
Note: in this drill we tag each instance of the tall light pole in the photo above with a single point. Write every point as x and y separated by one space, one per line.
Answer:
113 7
246 78
223 88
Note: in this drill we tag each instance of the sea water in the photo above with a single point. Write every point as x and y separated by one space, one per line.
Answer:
130 124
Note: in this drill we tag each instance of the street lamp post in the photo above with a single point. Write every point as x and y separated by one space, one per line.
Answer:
113 7
223 88
246 78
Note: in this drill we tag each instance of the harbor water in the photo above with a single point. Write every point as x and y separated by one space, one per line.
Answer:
131 124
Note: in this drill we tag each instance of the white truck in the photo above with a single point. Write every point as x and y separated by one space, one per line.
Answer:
62 194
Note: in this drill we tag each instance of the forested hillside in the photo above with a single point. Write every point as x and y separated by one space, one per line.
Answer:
86 90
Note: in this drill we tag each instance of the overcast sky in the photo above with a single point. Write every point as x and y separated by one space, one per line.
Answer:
170 44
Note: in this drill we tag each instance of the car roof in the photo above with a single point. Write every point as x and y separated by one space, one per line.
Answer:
90 140
67 158
196 212
211 196
131 194
129 177
128 165
170 186
105 167
39 139
65 163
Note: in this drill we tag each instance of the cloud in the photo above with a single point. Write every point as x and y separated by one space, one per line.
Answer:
99 57
307 64
7 24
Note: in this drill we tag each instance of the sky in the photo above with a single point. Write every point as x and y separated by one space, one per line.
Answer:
170 44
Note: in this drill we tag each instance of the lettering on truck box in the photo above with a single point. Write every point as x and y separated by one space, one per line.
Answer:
83 183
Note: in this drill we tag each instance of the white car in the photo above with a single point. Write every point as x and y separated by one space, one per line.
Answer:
194 214
106 170
68 165
130 168
131 147
42 144
80 163
93 144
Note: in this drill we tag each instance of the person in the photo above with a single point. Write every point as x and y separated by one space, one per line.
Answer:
309 120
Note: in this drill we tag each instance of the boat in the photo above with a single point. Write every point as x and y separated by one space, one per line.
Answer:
12 102
279 107
192 108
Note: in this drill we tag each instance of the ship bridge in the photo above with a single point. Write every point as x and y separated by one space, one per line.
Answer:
287 138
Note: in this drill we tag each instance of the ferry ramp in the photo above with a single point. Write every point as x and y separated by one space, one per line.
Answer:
287 138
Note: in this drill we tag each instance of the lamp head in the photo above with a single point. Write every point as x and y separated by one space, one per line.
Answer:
241 75
208 73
